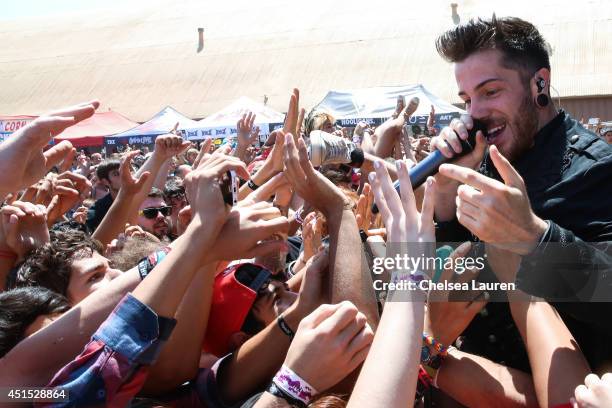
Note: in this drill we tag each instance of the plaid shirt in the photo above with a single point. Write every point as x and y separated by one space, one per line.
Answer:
113 367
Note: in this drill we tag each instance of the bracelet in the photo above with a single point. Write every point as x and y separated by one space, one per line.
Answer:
279 393
252 185
280 320
426 355
294 385
8 255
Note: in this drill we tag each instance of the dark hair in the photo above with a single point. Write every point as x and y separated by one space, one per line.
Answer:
50 265
104 168
19 308
155 193
251 324
521 44
174 187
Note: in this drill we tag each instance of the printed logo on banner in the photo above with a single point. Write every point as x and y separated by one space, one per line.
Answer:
110 141
140 140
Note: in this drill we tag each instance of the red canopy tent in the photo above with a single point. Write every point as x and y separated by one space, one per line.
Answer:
91 132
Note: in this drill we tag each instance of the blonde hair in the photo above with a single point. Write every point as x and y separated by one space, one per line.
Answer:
316 120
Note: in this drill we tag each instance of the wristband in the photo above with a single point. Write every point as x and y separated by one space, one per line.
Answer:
294 385
426 356
252 185
279 393
280 320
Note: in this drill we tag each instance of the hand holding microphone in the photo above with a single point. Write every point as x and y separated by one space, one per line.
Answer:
456 144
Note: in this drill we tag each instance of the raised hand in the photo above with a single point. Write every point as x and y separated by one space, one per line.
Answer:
363 215
402 220
497 213
169 145
311 236
308 183
68 189
129 184
250 231
292 123
329 344
28 142
23 227
245 129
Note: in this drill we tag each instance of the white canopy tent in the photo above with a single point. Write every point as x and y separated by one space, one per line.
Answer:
375 105
223 123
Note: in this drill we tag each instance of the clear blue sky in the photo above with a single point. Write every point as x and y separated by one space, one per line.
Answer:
17 9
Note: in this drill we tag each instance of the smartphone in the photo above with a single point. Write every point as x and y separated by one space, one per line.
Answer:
229 188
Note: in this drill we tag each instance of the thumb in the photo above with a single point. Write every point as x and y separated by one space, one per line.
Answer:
480 148
57 153
142 180
67 162
505 169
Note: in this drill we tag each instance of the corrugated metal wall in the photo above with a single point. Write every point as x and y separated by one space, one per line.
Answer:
600 107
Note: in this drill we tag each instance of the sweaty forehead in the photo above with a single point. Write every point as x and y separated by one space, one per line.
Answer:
479 68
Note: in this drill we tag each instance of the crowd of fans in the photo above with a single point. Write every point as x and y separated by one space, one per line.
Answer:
241 275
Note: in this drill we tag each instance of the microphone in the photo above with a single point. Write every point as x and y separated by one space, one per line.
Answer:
430 165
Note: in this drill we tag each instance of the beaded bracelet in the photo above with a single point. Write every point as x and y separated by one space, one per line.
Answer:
430 340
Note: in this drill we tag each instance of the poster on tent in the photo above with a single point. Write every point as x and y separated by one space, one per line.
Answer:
227 133
441 120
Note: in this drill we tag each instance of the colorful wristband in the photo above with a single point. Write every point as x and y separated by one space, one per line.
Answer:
294 385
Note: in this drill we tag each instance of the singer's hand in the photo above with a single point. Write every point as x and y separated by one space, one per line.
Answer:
497 213
446 187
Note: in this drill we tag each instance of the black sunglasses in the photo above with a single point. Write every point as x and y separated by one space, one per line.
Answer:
151 212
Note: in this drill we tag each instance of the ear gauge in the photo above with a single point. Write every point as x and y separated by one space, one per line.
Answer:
542 99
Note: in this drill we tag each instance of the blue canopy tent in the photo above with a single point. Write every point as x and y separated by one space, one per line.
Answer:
145 133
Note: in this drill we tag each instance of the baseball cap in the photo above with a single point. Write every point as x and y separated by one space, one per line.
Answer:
234 293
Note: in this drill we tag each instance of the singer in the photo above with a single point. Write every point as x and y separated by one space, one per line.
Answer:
535 178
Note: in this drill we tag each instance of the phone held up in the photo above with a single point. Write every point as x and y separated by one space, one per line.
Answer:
229 188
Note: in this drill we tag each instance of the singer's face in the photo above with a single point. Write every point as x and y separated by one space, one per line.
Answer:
499 97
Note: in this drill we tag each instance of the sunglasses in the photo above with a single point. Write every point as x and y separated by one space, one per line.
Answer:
151 212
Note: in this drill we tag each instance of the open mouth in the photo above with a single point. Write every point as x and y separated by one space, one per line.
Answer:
494 132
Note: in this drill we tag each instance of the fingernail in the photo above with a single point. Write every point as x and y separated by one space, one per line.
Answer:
429 181
372 177
377 164
398 164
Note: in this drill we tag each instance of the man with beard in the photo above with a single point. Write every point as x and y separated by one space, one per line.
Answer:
153 214
543 183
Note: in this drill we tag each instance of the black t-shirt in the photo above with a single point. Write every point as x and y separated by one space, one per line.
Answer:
97 212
